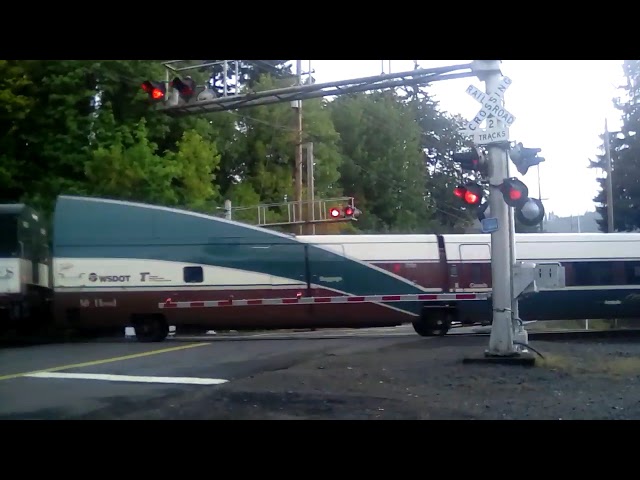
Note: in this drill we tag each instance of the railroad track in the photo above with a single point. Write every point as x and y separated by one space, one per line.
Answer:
554 335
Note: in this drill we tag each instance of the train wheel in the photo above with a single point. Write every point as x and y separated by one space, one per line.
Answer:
434 323
152 328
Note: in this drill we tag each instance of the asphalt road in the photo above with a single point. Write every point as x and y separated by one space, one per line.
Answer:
389 373
112 376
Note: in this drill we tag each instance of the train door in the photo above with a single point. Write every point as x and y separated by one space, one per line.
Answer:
445 275
474 270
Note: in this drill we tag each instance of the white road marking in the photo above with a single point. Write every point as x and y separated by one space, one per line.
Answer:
131 332
130 378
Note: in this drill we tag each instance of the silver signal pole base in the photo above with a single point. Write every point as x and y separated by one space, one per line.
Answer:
524 359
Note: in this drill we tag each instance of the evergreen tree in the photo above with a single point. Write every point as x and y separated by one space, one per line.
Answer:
625 159
440 139
383 166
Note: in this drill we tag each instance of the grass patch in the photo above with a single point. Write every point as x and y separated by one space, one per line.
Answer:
614 367
573 325
594 324
557 362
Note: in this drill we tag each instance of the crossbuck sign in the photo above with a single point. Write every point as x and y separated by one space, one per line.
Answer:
490 111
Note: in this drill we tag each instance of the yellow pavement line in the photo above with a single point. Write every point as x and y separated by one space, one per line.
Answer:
106 360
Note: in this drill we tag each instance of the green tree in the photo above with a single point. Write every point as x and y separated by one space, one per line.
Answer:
263 160
195 165
383 165
127 167
243 195
50 144
86 127
15 105
60 117
440 139
625 159
118 84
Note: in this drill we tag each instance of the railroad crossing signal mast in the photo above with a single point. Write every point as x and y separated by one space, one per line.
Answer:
507 195
207 99
496 137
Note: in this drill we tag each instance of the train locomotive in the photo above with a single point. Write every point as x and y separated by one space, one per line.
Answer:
26 290
118 263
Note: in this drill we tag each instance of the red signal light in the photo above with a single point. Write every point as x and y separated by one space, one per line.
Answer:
471 198
334 212
514 192
156 90
186 87
471 193
348 211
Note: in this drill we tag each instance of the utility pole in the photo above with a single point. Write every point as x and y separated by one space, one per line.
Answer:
298 158
607 152
227 209
311 216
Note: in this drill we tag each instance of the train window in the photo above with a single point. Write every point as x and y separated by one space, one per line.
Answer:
632 272
193 275
475 252
9 238
593 273
476 273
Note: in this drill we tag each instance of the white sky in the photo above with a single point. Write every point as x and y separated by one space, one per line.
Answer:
581 92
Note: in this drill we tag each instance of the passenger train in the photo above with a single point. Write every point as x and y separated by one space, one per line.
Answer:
117 264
